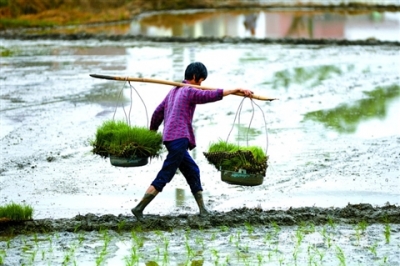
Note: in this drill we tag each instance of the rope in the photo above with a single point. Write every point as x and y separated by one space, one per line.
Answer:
145 107
237 115
128 116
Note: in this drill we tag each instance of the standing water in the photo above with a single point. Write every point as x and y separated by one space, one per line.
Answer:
331 138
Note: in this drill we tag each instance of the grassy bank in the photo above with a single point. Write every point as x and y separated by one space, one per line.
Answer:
40 13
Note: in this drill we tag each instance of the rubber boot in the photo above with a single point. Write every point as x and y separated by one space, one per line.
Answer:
199 199
138 210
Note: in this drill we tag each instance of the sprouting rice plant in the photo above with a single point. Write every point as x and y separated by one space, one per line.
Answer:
340 255
373 249
16 212
387 233
249 227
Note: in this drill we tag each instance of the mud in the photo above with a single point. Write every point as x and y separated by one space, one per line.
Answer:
351 214
225 40
318 174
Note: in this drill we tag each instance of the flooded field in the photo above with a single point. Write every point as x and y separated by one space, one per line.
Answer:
330 195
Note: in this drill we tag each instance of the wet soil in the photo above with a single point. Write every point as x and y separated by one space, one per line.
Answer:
347 182
351 214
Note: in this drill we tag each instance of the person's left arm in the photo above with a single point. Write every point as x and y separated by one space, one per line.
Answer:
158 116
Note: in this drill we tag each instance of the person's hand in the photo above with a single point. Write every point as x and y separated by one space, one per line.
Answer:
247 93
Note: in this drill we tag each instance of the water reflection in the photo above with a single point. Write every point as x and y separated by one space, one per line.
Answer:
264 24
179 197
300 75
346 118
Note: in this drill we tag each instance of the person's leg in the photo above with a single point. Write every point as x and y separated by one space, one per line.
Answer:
150 194
191 172
176 150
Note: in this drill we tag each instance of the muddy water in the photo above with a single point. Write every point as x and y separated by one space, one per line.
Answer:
331 137
271 23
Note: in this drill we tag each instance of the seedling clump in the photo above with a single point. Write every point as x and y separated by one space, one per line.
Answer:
16 212
232 157
119 139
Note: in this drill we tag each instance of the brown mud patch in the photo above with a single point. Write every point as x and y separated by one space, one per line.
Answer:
227 40
351 214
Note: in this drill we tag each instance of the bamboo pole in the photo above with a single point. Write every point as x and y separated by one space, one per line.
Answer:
172 83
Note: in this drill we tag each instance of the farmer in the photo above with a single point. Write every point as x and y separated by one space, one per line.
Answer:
177 110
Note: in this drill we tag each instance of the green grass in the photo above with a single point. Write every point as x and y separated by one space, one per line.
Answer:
119 139
16 212
233 157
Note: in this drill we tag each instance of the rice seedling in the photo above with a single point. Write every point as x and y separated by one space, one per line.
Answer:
81 238
224 228
213 236
189 250
16 212
228 260
200 241
340 255
276 228
237 239
299 237
133 258
281 260
295 254
260 258
249 227
373 249
215 253
387 233
137 240
120 139
103 251
3 255
232 157
267 237
362 225
331 222
326 236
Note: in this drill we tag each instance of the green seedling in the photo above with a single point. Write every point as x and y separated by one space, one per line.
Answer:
3 255
299 237
189 250
232 157
224 228
340 255
120 139
331 222
387 233
76 228
362 225
249 227
276 227
216 255
295 254
103 251
373 249
260 258
16 212
133 258
200 241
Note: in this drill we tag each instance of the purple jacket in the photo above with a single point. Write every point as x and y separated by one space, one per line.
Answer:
177 110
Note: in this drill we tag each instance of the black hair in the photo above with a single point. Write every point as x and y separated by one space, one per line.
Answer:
196 69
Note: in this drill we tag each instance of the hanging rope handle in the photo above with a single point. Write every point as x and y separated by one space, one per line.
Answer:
128 116
237 115
166 82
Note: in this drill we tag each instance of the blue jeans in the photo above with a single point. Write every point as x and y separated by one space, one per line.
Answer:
178 157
